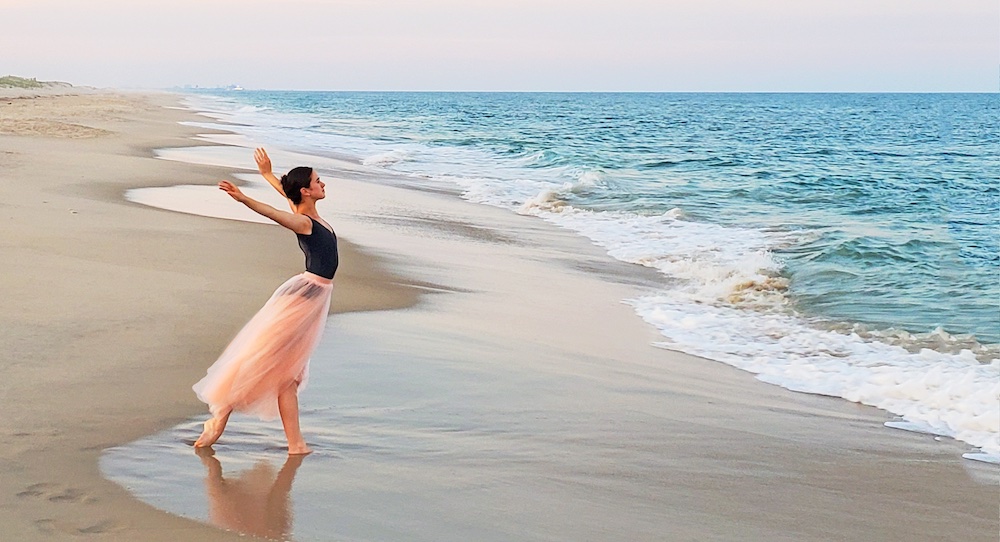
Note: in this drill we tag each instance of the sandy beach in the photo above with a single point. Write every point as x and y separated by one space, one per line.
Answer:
113 309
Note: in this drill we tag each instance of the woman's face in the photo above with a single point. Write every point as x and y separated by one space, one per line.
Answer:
317 188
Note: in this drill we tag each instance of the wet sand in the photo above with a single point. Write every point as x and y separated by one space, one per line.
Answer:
527 423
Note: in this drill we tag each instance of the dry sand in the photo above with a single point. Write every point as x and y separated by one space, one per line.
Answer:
112 310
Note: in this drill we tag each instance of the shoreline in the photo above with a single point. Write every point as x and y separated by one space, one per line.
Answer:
39 506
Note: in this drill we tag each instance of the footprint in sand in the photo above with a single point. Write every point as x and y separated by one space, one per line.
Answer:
35 490
56 493
105 526
70 495
61 494
51 526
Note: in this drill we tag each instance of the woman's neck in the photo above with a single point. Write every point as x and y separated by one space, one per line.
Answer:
307 207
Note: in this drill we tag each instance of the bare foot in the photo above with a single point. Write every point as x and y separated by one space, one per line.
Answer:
213 430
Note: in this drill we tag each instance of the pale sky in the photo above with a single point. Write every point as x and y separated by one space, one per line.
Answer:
506 45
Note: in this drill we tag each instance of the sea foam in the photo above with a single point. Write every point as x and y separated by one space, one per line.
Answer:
952 395
386 158
727 303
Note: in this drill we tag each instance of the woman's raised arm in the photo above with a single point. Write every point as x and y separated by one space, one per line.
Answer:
296 223
264 167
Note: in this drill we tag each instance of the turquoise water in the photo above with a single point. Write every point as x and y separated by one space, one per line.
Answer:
877 209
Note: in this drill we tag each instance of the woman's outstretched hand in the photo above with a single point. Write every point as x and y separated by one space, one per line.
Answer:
264 166
263 161
231 189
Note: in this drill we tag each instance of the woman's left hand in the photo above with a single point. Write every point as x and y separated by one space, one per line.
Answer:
231 189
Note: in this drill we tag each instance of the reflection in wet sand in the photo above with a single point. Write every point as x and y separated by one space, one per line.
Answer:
256 501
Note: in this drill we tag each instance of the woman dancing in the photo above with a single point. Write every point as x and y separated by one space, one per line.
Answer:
266 365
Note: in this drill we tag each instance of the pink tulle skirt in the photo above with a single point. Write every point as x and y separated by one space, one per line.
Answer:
271 352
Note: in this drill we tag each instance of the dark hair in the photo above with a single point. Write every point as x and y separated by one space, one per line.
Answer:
296 179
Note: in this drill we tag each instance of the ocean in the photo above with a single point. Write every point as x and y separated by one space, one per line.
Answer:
838 244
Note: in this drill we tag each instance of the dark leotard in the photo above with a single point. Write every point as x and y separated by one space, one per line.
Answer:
320 248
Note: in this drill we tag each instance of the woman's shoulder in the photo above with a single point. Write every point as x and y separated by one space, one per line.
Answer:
304 225
314 221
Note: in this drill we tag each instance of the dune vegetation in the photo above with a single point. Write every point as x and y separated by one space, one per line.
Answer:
12 81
